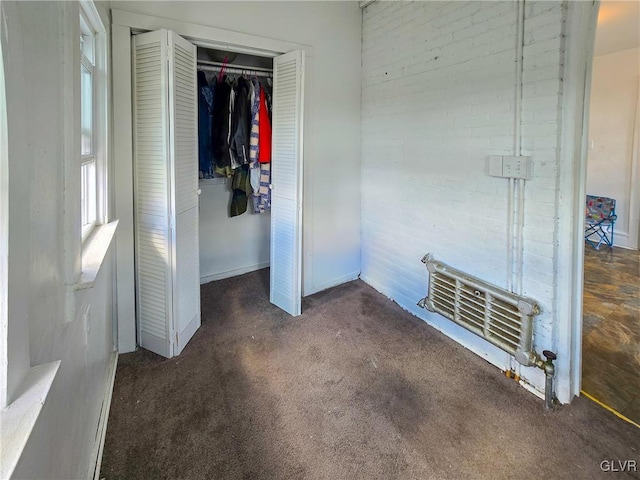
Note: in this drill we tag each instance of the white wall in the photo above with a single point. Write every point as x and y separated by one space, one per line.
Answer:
40 39
438 97
612 127
230 245
617 26
331 230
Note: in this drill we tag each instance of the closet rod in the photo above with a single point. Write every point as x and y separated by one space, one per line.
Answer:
238 67
235 71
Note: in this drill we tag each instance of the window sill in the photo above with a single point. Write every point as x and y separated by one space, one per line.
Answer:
94 250
19 418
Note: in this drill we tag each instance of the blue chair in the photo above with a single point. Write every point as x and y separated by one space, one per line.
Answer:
600 217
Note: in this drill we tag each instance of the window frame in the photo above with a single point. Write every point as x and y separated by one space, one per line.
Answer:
91 26
6 385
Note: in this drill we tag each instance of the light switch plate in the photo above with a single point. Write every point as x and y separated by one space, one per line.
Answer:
516 167
510 166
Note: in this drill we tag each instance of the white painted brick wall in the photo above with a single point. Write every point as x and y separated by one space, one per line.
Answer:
542 96
438 97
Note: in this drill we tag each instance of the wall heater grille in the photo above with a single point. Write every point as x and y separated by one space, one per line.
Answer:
497 315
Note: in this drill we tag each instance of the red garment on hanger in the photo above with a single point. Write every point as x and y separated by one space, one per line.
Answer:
264 133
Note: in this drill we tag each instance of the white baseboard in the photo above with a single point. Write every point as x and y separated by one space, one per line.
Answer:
233 273
623 240
104 417
626 247
333 283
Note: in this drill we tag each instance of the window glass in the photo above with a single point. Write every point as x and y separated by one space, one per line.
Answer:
87 110
88 174
87 42
88 195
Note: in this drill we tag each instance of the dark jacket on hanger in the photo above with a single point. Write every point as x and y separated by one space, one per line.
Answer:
267 85
220 125
241 122
205 111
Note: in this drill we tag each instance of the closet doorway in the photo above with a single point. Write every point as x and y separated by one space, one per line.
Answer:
166 287
232 244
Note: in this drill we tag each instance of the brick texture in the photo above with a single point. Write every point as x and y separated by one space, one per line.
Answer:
438 97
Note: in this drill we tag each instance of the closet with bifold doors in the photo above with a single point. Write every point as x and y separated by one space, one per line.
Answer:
167 206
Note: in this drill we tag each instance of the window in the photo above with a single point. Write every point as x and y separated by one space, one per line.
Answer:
88 184
86 178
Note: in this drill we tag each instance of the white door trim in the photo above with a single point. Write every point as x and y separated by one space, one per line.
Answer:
212 37
581 29
122 159
633 240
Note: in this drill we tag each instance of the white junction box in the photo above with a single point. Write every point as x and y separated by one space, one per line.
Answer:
510 166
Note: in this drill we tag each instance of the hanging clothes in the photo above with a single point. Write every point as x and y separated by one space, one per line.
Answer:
240 122
241 189
220 128
254 143
268 89
264 153
232 105
237 116
205 113
254 136
264 201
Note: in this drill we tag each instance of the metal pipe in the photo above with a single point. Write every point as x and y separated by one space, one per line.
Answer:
549 372
510 236
520 230
516 189
517 144
229 65
517 140
548 389
515 194
234 71
515 237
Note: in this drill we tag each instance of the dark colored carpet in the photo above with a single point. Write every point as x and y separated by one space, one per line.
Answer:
355 388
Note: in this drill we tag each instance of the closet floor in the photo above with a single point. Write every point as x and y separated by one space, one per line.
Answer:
354 388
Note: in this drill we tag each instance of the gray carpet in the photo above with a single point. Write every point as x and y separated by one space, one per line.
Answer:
355 388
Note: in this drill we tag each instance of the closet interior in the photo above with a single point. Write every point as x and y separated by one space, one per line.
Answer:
234 144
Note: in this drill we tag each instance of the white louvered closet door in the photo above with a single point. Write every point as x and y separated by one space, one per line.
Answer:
286 171
183 121
152 192
165 198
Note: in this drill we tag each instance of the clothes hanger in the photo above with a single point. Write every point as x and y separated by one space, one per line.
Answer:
223 68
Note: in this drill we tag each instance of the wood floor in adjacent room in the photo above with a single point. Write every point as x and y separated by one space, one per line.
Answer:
611 328
355 388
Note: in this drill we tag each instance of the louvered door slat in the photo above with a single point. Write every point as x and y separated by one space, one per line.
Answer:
184 116
151 195
286 201
184 149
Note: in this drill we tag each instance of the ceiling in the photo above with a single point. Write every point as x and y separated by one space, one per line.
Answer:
618 26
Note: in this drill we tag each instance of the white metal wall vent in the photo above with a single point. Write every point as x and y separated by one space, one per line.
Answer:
497 315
